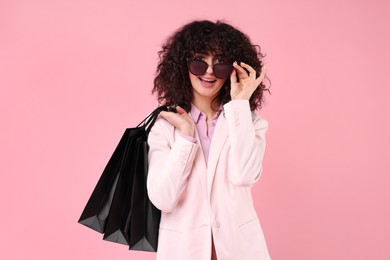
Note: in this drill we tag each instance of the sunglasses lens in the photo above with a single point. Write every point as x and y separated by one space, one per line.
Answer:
222 70
197 67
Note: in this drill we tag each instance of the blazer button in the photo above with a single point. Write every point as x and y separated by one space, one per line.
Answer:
217 224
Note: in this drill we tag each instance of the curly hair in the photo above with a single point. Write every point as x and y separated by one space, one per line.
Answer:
172 80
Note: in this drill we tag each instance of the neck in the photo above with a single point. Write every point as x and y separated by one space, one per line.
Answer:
204 105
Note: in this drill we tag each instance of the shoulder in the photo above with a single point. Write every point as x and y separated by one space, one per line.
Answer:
163 129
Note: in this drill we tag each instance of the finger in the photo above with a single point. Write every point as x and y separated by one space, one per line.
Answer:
180 110
242 74
262 75
163 114
171 117
233 77
252 72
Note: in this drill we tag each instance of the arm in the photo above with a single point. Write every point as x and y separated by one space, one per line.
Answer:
247 143
246 136
170 163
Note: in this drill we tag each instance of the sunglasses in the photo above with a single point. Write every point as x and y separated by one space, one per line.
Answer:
199 68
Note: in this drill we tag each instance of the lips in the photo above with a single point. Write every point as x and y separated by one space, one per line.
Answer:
207 82
207 79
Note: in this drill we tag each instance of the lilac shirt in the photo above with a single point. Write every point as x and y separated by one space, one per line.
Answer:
205 135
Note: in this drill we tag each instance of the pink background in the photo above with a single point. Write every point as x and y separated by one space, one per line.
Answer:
74 74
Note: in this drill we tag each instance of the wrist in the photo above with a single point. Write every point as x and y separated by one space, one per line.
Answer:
238 97
189 131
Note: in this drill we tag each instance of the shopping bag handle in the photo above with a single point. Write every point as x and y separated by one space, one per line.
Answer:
149 121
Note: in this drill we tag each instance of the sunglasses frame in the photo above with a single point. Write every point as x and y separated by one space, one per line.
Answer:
189 60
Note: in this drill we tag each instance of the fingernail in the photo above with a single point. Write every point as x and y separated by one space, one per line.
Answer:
235 63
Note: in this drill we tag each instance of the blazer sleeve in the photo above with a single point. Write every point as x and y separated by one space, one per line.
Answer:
246 135
170 163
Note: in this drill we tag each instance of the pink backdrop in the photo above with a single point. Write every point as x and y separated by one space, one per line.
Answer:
74 74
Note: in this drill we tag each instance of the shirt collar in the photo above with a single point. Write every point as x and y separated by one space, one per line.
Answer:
196 113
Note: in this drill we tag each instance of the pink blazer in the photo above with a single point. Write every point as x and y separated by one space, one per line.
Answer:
198 202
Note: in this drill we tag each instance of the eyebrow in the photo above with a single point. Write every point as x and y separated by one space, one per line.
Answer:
202 53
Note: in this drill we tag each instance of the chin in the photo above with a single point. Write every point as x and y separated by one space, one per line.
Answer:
206 93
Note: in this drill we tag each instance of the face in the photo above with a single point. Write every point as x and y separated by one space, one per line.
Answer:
206 86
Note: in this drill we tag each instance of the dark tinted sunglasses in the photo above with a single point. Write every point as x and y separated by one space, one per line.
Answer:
199 68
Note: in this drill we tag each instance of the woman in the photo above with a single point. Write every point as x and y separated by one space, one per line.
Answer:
204 159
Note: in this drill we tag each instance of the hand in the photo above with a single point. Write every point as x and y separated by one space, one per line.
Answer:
247 83
181 120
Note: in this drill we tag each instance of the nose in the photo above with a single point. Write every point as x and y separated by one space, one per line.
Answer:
209 69
209 62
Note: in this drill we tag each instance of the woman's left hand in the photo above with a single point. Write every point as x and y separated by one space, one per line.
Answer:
246 84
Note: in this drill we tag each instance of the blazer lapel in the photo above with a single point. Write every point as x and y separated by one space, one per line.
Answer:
219 139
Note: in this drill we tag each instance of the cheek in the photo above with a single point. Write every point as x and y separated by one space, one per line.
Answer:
192 78
221 82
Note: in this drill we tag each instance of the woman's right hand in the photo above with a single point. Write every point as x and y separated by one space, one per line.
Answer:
181 120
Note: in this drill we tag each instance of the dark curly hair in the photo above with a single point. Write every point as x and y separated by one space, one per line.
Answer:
172 81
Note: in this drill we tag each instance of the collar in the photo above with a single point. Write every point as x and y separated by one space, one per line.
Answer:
196 113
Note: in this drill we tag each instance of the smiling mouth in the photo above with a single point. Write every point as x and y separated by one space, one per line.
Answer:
207 80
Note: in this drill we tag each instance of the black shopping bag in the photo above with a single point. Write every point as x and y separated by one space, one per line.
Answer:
118 220
145 217
98 206
120 188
